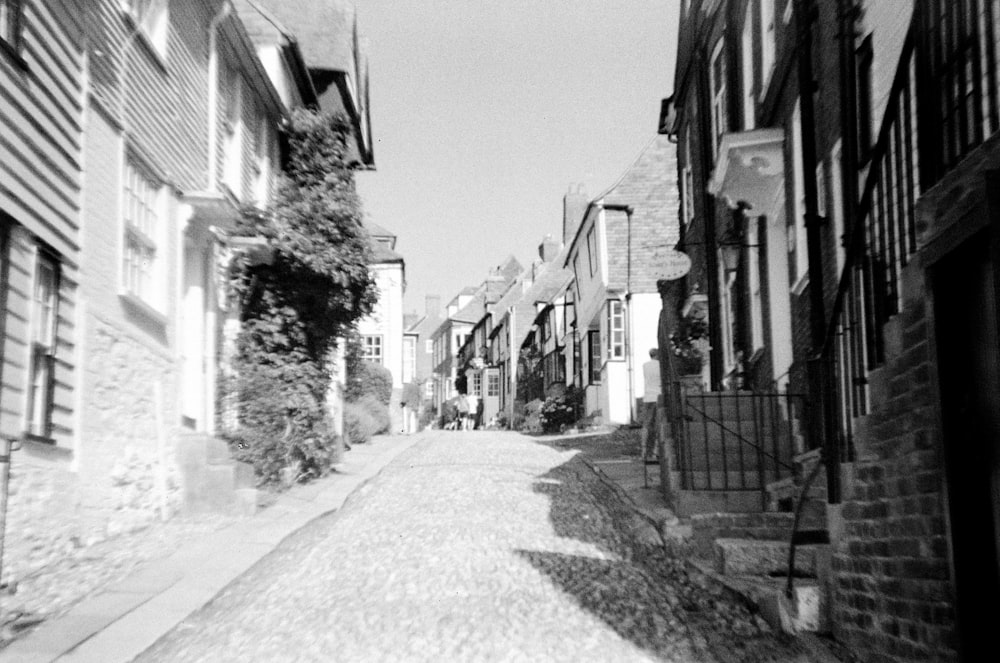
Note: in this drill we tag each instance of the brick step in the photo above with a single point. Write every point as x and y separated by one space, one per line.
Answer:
691 502
738 557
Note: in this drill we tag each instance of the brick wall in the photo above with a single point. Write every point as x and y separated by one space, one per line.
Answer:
650 186
893 589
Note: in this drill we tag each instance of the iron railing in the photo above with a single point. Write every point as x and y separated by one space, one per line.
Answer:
878 246
736 441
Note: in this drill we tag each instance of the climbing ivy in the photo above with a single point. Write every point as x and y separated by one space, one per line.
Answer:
295 308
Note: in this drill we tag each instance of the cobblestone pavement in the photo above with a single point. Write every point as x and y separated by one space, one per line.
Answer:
473 546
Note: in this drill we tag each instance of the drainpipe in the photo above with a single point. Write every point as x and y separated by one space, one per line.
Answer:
710 240
805 13
847 12
213 90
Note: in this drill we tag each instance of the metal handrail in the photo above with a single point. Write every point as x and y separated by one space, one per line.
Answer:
745 463
856 232
739 435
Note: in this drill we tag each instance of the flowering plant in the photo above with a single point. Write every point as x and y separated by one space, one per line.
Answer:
689 343
558 412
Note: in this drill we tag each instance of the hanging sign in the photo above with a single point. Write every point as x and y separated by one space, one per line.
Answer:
674 265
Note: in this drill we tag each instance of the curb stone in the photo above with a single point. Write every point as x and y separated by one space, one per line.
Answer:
650 527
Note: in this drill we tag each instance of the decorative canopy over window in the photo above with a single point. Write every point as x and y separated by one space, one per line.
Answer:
750 168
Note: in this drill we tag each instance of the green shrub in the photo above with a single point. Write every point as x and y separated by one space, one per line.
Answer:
379 412
359 425
369 379
283 422
559 412
295 304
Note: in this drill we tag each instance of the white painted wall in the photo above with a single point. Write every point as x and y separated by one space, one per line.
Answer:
386 320
615 392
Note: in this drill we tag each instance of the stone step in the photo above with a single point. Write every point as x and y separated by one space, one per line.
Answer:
806 461
244 475
212 480
691 502
784 494
247 501
807 610
736 557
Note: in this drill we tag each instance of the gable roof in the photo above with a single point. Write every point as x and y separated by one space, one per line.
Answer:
471 312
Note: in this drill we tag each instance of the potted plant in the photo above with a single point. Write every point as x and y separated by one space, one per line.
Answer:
689 344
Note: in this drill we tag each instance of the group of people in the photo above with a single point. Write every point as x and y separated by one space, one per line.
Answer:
458 413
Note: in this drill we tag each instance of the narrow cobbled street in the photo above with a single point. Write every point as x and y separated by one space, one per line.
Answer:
473 546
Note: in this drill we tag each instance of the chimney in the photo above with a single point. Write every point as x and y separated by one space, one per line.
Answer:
549 248
496 286
574 206
432 306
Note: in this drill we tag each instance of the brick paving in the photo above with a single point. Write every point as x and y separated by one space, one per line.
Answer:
473 546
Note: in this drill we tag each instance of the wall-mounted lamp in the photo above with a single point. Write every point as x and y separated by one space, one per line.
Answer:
731 244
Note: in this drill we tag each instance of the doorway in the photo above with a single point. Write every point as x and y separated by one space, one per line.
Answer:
968 349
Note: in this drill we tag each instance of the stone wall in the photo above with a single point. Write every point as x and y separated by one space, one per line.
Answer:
119 479
126 465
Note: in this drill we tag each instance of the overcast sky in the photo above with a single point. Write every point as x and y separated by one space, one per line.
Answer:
483 114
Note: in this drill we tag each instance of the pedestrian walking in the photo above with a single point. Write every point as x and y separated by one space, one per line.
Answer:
650 396
463 412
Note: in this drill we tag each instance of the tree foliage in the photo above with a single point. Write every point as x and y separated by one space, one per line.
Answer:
311 293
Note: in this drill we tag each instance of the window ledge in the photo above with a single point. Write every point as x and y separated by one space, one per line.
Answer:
143 307
45 448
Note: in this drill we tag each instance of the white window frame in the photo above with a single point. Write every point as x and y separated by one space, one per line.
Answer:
746 62
768 35
477 383
372 348
233 133
44 320
754 286
797 240
143 221
687 179
717 88
727 287
492 384
409 358
616 330
592 249
263 150
837 208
